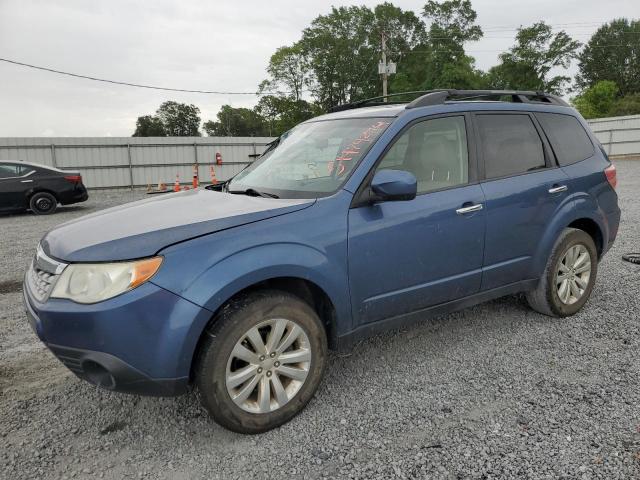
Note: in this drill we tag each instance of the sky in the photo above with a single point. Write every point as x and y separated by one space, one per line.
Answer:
201 45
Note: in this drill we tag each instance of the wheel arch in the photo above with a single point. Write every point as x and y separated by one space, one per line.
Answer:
306 290
568 217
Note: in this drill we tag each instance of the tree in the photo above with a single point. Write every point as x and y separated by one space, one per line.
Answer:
179 119
149 126
528 64
627 105
344 46
171 119
602 100
288 69
597 101
612 53
440 61
236 122
282 113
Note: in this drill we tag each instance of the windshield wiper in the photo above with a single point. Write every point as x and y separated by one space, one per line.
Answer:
252 192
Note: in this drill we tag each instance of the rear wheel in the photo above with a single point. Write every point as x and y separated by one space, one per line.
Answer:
43 203
569 276
261 361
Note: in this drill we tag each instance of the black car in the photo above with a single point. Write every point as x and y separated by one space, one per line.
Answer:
29 186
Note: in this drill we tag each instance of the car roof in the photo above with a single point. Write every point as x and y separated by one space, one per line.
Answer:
35 165
394 110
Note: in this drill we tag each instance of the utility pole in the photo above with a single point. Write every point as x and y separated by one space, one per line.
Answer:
384 68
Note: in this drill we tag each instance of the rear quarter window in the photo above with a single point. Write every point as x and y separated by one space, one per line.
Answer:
567 136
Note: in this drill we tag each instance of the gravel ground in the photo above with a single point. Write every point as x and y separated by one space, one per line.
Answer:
495 391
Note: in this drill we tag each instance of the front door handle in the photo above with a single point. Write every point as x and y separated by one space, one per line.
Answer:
558 189
470 209
26 181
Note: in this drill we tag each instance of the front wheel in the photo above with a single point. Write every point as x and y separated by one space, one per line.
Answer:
569 276
261 361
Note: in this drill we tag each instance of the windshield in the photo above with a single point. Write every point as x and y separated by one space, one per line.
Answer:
312 160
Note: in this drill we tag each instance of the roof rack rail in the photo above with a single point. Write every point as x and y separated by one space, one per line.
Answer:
438 97
376 100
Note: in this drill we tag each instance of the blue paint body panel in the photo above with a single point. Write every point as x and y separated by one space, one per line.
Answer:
375 262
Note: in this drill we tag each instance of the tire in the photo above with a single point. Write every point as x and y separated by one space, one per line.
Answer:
219 368
43 203
547 298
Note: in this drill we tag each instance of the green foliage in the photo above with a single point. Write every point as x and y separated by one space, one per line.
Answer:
612 53
171 119
149 126
288 69
439 61
236 122
528 64
343 49
283 113
627 105
601 100
597 101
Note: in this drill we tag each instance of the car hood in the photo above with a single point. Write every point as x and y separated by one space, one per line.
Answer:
143 228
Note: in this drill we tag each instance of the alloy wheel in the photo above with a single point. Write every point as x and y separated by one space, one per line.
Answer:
573 273
268 366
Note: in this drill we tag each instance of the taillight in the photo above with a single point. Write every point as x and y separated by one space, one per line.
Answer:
612 177
73 178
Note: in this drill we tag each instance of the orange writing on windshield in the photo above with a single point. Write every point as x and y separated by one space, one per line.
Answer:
356 147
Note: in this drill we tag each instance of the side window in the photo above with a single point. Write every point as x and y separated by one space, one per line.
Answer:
8 170
435 151
510 144
568 139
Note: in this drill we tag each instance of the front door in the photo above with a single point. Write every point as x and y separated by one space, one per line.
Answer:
408 255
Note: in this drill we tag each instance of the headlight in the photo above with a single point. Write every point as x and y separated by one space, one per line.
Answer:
91 283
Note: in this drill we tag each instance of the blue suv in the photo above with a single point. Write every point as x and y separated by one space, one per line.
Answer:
365 219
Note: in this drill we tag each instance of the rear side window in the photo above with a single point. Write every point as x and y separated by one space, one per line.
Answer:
8 170
568 139
510 145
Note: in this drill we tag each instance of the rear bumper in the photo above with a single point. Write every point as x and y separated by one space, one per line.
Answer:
141 342
613 221
77 195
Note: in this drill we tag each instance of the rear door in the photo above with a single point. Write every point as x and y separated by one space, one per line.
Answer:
523 190
408 255
15 180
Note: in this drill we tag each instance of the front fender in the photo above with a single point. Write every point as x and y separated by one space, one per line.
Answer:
259 263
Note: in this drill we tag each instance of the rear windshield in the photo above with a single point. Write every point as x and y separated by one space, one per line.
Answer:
312 160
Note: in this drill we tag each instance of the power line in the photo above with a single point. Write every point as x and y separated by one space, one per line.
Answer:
138 85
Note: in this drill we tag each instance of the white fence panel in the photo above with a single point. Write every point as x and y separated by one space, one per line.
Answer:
136 161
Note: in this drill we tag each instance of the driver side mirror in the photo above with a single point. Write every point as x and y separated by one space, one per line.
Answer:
393 185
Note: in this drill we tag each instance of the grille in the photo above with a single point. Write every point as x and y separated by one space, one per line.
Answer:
40 282
42 275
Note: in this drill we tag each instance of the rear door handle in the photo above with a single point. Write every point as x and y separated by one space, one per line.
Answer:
470 209
558 189
26 181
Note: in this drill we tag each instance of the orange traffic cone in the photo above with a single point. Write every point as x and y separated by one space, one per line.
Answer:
195 176
176 186
214 180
